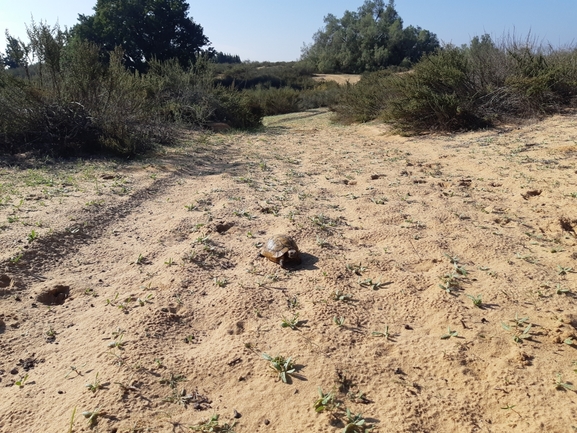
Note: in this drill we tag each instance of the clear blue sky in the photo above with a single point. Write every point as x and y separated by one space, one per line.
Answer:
272 30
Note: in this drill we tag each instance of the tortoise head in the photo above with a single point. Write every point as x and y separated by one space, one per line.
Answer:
292 254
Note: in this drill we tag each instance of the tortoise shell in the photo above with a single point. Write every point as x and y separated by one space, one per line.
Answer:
281 249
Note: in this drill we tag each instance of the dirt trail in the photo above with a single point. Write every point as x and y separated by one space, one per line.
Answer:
143 280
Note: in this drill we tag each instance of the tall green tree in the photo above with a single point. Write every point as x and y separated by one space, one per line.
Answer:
369 39
145 29
16 54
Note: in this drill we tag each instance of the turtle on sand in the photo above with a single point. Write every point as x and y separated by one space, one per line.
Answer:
281 249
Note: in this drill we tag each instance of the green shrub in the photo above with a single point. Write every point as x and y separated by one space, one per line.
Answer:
78 99
437 94
274 101
237 109
467 87
365 100
323 94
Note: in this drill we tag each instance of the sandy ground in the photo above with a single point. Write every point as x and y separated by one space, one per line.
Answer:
133 290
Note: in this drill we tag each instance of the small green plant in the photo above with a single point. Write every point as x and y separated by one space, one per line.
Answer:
449 334
243 213
180 397
213 426
220 282
339 321
32 236
90 292
118 343
379 200
51 333
477 300
70 427
76 370
357 397
16 258
147 300
173 380
92 416
190 207
518 336
322 242
340 296
561 270
511 408
95 203
519 321
113 300
284 367
326 401
169 262
355 423
568 341
20 382
140 260
368 282
291 323
323 222
356 269
382 334
564 386
94 386
561 291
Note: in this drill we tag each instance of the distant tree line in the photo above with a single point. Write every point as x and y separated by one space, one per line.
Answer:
369 39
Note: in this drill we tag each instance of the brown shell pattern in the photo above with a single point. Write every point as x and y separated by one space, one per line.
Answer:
277 246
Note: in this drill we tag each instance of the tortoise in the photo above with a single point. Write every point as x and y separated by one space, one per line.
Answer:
281 249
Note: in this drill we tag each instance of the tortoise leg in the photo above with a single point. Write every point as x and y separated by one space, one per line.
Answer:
281 262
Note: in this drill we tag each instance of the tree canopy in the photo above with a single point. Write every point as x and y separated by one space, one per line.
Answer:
369 39
145 29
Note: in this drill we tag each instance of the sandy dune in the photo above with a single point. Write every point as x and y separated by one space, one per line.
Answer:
142 279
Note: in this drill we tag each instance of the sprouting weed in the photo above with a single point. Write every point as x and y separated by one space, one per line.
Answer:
284 367
340 296
92 416
368 282
94 386
382 334
339 321
326 401
213 425
564 386
220 282
356 269
449 334
518 336
20 382
477 300
291 323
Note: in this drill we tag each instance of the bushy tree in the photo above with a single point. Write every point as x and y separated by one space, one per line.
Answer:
16 52
369 39
145 29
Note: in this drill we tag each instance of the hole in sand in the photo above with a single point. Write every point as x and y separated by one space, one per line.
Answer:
5 281
223 227
54 296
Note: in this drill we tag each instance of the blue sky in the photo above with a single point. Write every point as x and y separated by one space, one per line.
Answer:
272 30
